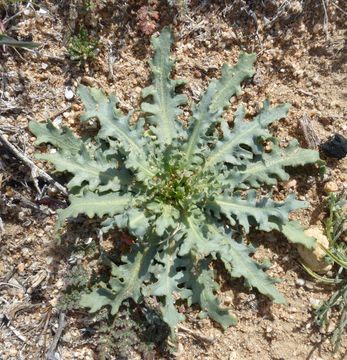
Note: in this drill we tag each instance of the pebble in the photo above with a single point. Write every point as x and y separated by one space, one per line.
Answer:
59 284
25 252
290 184
87 80
330 186
309 285
53 302
228 301
69 94
317 28
57 122
300 282
21 267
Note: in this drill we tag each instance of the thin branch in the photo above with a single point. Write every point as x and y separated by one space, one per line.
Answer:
48 316
197 335
326 19
60 112
35 170
61 326
338 7
51 57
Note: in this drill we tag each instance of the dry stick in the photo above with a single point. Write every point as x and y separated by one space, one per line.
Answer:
45 330
35 170
2 229
8 276
326 19
198 336
60 112
111 62
61 325
51 57
306 92
338 7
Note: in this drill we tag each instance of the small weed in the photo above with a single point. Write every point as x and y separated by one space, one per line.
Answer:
148 16
136 328
83 47
337 254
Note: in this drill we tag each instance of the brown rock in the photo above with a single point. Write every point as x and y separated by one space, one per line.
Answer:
330 186
89 81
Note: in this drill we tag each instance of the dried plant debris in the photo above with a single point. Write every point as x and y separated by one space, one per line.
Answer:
310 134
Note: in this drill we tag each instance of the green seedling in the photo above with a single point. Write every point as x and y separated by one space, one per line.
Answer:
82 47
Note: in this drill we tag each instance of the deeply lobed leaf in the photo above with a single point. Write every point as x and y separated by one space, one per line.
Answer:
185 195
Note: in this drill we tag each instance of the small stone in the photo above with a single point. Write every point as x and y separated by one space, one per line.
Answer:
331 328
317 28
59 284
20 295
228 301
69 94
314 259
300 282
44 66
309 285
330 186
21 267
269 329
87 80
53 302
290 184
25 252
57 122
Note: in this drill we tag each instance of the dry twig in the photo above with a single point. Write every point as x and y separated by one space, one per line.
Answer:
306 93
44 331
326 19
60 112
198 336
35 170
61 325
338 7
112 59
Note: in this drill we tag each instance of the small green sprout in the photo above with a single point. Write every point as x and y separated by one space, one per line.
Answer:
82 47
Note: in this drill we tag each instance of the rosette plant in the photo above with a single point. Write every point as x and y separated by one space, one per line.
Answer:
186 194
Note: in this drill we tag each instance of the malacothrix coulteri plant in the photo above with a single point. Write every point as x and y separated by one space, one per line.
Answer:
186 194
